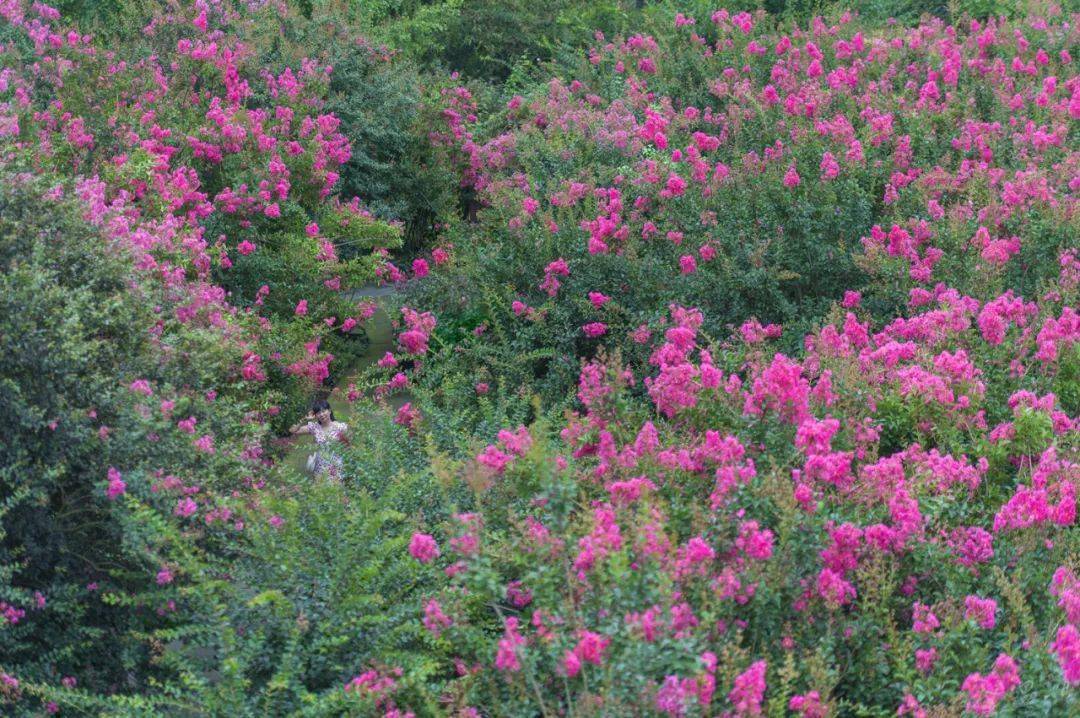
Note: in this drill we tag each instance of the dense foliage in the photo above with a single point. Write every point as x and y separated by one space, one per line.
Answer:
738 349
618 189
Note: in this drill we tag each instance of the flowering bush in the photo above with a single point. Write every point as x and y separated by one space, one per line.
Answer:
748 382
108 434
867 505
721 164
769 535
141 372
230 161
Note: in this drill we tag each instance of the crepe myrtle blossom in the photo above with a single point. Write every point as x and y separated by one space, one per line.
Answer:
1066 648
981 610
423 548
552 272
594 330
877 435
791 177
116 486
808 705
864 428
435 621
985 692
925 658
507 657
420 325
185 507
749 690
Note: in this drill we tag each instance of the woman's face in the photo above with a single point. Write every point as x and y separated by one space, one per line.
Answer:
323 416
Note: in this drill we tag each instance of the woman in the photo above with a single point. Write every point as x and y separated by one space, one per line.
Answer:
320 423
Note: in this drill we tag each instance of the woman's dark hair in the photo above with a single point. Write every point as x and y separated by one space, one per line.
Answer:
321 404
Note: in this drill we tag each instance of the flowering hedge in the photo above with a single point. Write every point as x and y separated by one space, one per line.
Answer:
172 292
720 164
858 529
747 383
817 291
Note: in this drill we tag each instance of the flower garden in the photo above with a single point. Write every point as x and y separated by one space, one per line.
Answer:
734 365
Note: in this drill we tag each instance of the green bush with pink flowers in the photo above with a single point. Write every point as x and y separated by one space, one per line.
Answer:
735 365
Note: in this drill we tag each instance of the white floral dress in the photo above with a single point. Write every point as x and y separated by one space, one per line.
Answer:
327 460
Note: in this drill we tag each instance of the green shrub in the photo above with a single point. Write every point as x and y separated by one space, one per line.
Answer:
73 341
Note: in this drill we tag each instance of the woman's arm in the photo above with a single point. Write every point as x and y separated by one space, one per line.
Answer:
303 426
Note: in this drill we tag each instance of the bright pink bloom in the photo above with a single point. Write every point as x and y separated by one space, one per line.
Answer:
749 690
185 507
675 186
924 620
594 329
925 659
423 548
1066 647
590 647
116 487
985 692
808 705
435 620
571 664
981 610
507 658
791 177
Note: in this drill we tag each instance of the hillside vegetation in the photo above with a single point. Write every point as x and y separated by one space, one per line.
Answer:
735 365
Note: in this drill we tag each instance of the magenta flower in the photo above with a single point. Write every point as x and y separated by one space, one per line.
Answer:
985 692
832 587
185 507
435 620
749 690
1066 647
808 705
571 664
507 657
674 187
141 386
116 487
981 610
423 548
591 646
597 299
925 658
923 619
594 329
791 177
